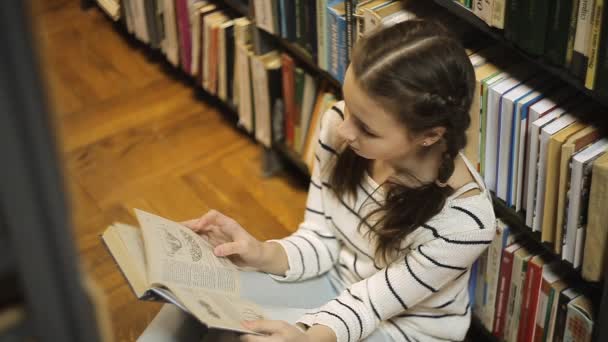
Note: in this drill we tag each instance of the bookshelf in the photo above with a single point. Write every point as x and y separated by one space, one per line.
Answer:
514 219
294 50
464 13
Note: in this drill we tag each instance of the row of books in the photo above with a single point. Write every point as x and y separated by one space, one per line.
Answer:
328 29
277 100
520 294
536 154
568 33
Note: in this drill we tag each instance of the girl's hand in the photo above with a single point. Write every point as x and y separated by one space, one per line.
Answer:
228 238
276 331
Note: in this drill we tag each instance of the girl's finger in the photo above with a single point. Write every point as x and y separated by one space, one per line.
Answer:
229 248
192 224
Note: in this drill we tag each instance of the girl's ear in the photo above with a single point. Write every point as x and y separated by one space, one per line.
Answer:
431 136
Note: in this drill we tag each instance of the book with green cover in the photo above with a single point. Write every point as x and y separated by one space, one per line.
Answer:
558 27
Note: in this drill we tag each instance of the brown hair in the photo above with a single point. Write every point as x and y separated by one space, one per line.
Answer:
422 75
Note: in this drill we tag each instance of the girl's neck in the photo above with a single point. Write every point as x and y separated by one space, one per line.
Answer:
421 166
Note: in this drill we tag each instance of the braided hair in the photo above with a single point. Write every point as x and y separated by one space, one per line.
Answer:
422 75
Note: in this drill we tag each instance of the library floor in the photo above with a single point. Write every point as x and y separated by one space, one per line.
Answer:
134 135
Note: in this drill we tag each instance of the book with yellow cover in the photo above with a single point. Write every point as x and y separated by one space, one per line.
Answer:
595 250
552 176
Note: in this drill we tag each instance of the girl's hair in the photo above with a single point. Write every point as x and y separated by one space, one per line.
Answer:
422 75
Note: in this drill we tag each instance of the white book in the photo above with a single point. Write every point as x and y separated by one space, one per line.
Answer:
195 28
507 114
543 106
583 27
546 133
169 44
139 20
245 108
521 120
581 164
308 101
495 93
263 15
533 160
518 150
261 98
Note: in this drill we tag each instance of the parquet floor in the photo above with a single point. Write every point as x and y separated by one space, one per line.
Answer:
133 134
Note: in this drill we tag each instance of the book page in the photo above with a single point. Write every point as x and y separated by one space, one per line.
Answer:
218 311
133 241
178 256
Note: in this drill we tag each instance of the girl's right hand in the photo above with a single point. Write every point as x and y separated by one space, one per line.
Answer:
228 238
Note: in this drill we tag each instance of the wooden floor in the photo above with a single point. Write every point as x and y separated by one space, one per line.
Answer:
133 134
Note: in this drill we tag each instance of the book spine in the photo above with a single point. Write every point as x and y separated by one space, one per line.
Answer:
498 13
299 22
310 28
321 34
536 275
183 24
583 25
571 33
289 96
557 31
597 224
525 303
594 44
512 20
503 294
350 25
543 306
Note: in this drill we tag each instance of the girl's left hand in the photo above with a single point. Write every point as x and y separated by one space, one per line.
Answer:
276 331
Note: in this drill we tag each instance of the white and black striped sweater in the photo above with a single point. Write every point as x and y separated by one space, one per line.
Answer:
420 297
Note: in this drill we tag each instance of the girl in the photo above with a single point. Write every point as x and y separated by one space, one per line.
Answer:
395 213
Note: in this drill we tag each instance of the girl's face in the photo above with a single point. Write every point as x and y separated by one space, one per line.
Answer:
370 131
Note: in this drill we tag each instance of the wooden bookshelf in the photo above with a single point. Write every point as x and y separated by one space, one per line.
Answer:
464 13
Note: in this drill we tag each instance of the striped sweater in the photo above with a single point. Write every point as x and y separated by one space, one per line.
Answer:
421 296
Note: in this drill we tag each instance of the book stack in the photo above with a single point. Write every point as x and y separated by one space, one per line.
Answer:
520 293
536 153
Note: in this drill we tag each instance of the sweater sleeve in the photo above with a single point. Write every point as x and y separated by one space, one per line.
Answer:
360 309
313 249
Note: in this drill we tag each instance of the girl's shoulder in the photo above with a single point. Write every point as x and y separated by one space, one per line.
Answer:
330 144
459 220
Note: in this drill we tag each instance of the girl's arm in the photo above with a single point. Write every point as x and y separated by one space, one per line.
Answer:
274 259
359 310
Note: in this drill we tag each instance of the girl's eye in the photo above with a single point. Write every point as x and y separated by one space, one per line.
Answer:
366 132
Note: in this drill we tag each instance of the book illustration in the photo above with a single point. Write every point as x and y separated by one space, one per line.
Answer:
171 243
195 250
249 314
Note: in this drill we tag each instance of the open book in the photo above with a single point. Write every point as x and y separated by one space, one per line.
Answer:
167 261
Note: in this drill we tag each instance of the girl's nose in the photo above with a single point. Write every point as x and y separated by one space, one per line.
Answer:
347 131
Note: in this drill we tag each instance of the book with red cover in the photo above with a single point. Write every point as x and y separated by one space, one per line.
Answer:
527 323
288 67
183 28
504 282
